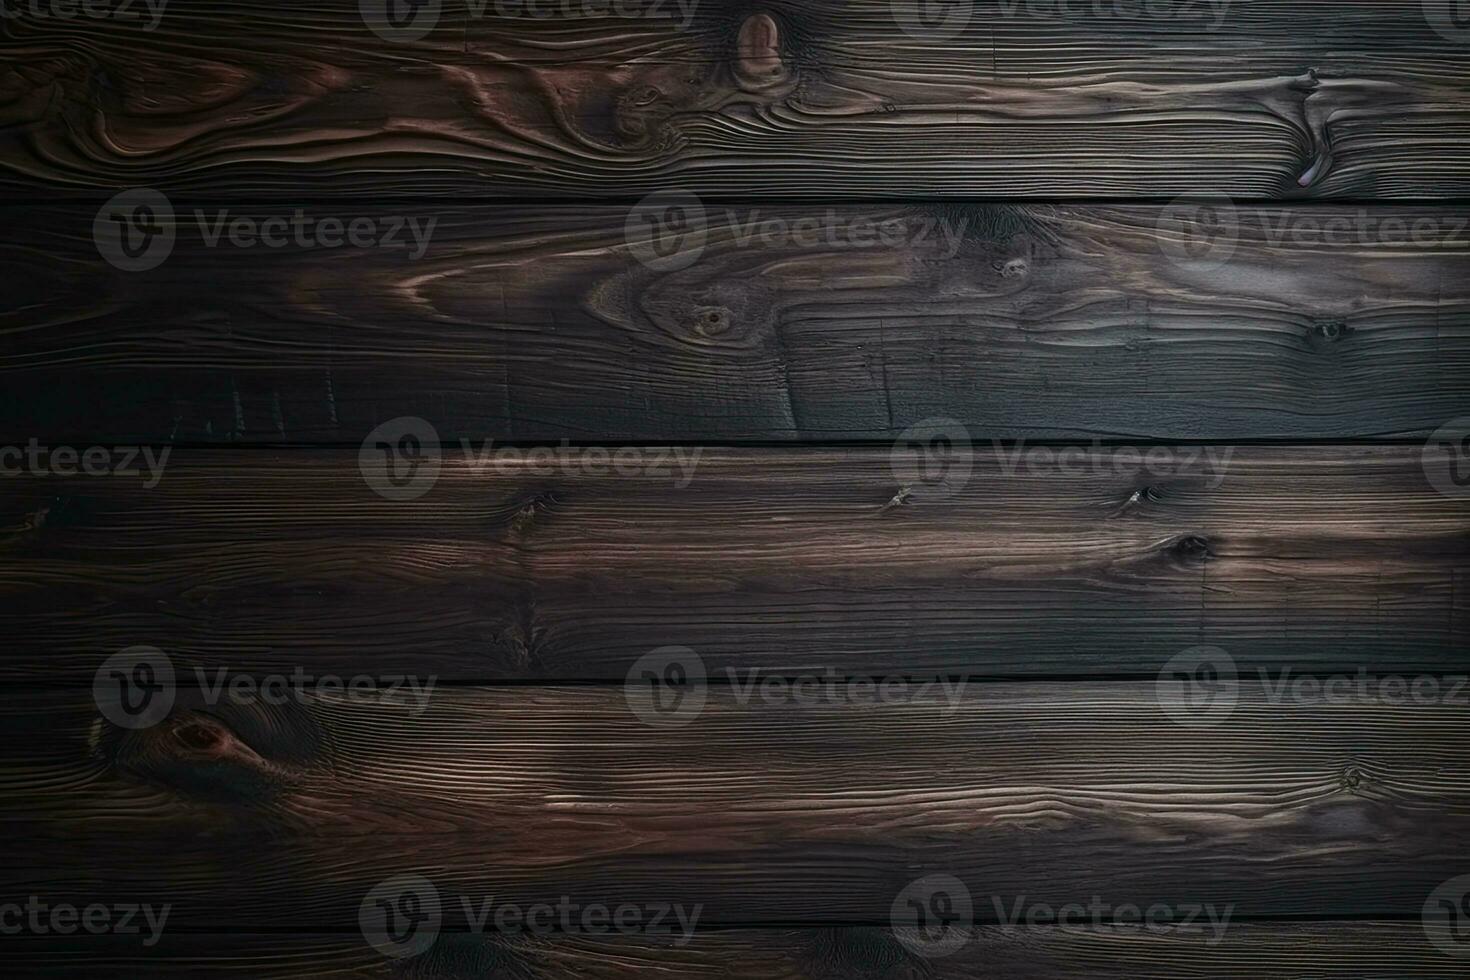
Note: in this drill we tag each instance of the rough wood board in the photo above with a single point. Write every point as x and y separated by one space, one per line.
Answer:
1250 951
556 566
822 322
765 812
1265 99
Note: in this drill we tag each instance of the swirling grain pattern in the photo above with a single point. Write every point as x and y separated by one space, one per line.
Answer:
1268 99
791 324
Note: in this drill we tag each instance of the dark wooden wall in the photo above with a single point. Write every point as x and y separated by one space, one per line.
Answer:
1297 392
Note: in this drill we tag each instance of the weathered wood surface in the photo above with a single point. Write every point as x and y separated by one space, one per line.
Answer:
767 812
785 560
542 323
1030 98
1248 951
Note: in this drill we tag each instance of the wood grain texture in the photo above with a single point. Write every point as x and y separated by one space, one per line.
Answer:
765 813
1249 951
541 323
1328 557
1265 99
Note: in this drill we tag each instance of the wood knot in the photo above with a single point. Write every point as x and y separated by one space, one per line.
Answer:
1352 778
758 64
711 321
203 735
1192 547
1143 495
1329 330
1014 269
229 751
526 514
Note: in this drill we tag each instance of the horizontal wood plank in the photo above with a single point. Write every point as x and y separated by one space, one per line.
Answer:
1248 951
763 812
787 324
557 566
1025 98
